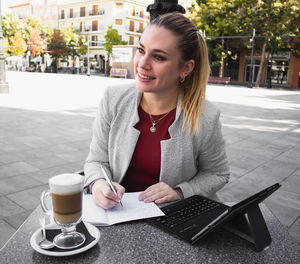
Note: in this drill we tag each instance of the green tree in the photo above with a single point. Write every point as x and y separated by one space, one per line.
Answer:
74 42
112 37
29 25
82 46
217 18
25 28
10 25
71 40
57 48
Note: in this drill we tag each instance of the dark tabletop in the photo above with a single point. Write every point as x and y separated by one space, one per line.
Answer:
140 242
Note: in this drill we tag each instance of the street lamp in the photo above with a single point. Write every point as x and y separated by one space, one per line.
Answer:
251 73
88 57
4 88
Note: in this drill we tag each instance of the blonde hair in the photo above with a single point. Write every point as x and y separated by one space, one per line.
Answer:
191 46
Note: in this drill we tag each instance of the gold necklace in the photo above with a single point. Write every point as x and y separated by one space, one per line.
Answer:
154 122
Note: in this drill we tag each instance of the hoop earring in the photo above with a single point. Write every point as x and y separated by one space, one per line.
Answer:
181 79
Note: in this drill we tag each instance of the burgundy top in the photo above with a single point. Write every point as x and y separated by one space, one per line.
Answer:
144 168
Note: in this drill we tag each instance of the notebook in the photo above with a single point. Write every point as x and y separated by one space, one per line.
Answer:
132 209
194 217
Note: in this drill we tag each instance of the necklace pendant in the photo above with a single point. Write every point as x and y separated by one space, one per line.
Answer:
153 128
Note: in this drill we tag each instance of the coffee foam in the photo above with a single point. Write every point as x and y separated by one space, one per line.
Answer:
66 183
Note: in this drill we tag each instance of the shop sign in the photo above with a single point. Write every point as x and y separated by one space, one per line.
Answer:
121 54
281 54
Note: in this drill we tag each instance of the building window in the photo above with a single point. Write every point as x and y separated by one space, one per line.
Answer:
119 22
95 10
141 27
133 11
62 14
131 25
95 25
142 14
82 26
71 12
82 11
94 40
119 5
131 40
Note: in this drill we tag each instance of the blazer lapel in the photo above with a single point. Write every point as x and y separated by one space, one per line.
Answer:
176 152
131 136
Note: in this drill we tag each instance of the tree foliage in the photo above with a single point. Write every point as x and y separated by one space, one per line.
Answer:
10 25
112 37
57 47
216 18
61 43
25 28
75 43
82 46
18 44
6 46
29 25
36 45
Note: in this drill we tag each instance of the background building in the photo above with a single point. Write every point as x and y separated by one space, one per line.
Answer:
93 17
281 70
45 10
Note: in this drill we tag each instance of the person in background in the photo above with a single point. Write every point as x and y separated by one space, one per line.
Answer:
159 135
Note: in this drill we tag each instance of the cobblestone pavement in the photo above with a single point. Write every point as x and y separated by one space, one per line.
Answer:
46 123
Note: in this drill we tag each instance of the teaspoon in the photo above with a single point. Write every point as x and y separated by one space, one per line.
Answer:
45 243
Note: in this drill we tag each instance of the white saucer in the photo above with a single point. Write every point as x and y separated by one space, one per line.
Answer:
37 237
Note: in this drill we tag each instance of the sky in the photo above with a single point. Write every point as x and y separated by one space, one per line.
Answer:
4 6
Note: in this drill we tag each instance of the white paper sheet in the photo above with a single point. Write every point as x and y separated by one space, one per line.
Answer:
132 209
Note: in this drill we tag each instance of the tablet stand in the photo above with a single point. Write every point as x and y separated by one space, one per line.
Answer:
251 225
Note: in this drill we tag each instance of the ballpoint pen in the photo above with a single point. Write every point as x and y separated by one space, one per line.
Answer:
110 183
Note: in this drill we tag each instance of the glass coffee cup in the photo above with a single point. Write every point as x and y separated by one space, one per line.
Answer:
66 191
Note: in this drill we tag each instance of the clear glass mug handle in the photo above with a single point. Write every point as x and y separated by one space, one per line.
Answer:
44 195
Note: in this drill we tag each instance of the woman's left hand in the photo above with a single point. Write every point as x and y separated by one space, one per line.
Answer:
160 193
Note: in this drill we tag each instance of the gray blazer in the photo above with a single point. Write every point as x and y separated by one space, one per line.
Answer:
195 164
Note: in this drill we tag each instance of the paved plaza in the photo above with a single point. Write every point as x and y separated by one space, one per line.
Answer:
46 125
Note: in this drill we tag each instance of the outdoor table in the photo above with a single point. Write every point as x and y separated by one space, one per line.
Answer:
141 242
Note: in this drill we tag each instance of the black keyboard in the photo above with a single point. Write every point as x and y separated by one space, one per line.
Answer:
185 211
193 218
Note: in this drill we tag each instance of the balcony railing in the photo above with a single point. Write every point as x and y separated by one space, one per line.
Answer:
131 29
138 15
90 29
97 13
96 43
77 14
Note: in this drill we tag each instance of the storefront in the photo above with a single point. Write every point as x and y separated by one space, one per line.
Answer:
281 70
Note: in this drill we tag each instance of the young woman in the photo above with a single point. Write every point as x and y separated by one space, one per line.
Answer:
159 135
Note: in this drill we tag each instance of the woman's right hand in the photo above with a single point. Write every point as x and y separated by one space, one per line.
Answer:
104 196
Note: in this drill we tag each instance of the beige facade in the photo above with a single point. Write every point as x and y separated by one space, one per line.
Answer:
45 10
93 17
